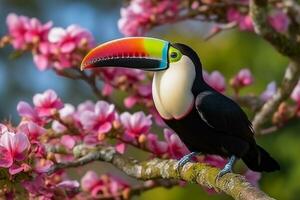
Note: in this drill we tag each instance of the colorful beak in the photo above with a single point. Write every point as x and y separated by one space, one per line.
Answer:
134 52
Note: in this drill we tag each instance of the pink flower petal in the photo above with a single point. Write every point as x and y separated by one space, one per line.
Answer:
15 169
130 101
20 144
68 141
121 147
89 180
6 159
106 127
68 47
25 110
7 141
41 61
56 34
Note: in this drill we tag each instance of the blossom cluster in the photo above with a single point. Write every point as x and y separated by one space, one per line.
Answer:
51 46
141 15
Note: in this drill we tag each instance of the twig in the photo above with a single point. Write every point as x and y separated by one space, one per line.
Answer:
91 80
289 81
232 184
269 130
250 101
218 29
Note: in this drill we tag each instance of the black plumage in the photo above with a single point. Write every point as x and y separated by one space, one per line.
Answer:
217 125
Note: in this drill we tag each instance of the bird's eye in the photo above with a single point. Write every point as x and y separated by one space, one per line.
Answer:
174 55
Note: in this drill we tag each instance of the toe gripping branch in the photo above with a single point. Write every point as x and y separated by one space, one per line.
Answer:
228 167
185 159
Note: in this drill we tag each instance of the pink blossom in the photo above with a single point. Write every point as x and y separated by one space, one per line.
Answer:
44 56
216 80
130 101
176 148
85 106
13 147
142 94
120 147
242 79
269 92
100 118
122 79
27 112
155 146
157 118
116 185
108 184
89 180
136 124
37 187
70 38
42 165
16 27
32 130
68 183
195 5
279 21
244 21
253 177
107 89
296 94
24 30
58 127
67 112
139 15
214 160
36 31
47 103
70 187
68 141
66 42
92 183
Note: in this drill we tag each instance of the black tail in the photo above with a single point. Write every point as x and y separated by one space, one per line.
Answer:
257 159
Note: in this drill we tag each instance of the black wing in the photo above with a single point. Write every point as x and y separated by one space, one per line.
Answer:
224 115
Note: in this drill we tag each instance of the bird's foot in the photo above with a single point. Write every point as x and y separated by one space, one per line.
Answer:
227 168
185 159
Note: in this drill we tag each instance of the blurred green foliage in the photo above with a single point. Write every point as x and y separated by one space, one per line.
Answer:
226 52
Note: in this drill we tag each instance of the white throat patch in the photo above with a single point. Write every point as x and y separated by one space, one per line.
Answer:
172 89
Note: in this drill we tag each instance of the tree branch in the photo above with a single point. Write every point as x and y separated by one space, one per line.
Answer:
285 45
232 184
289 81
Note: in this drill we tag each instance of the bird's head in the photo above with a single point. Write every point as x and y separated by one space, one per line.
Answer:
144 53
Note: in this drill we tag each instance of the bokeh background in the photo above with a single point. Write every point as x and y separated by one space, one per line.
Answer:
226 52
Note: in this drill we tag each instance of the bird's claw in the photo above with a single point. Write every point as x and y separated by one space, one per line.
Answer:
184 160
224 171
227 168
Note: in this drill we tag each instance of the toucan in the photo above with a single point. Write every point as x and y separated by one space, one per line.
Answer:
206 121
